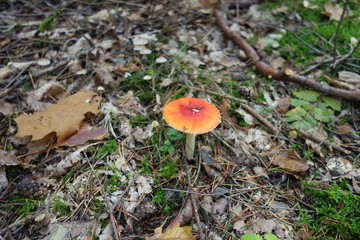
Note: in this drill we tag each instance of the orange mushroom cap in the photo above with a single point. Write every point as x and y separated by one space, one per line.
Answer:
191 115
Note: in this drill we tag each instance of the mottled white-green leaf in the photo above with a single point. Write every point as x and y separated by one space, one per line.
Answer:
300 103
308 95
332 103
302 125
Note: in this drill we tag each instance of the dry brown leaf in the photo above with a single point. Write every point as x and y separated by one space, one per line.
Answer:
283 105
344 129
6 72
334 11
63 118
173 233
4 42
129 68
85 133
290 160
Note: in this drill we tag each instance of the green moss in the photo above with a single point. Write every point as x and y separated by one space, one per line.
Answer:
61 208
138 120
317 32
337 212
29 207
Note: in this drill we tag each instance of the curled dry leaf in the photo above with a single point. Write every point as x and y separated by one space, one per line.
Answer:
290 160
64 118
85 133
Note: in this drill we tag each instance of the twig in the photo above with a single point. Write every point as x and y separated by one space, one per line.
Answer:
108 207
346 56
194 198
338 28
320 141
18 222
282 75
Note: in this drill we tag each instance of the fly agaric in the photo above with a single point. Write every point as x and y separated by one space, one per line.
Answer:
192 116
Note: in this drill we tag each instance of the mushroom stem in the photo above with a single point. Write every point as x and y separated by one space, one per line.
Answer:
190 146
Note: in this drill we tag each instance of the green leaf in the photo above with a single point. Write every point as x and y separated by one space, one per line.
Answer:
270 236
301 125
171 150
308 118
332 103
323 115
163 148
295 114
308 95
251 237
300 103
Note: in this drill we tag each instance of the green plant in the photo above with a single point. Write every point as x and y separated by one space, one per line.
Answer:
173 136
309 154
267 236
310 108
99 207
337 212
168 170
167 147
49 22
60 207
109 147
29 207
112 184
138 120
145 169
164 202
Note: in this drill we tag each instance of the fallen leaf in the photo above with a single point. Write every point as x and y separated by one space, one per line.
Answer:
5 107
6 159
81 44
339 165
85 133
4 42
6 72
334 11
349 77
63 118
283 105
290 160
319 133
173 233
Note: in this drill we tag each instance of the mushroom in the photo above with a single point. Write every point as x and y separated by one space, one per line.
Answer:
192 116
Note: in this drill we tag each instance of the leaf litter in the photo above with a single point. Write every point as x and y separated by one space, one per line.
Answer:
91 122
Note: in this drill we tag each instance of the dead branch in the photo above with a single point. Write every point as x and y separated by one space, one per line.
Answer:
281 75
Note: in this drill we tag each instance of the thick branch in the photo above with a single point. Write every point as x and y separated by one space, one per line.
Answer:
266 70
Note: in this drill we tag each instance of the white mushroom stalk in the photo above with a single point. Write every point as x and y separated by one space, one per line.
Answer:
190 145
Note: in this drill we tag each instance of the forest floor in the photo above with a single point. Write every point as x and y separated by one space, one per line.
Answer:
85 152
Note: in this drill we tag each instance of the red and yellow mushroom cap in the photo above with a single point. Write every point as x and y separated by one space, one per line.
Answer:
192 115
